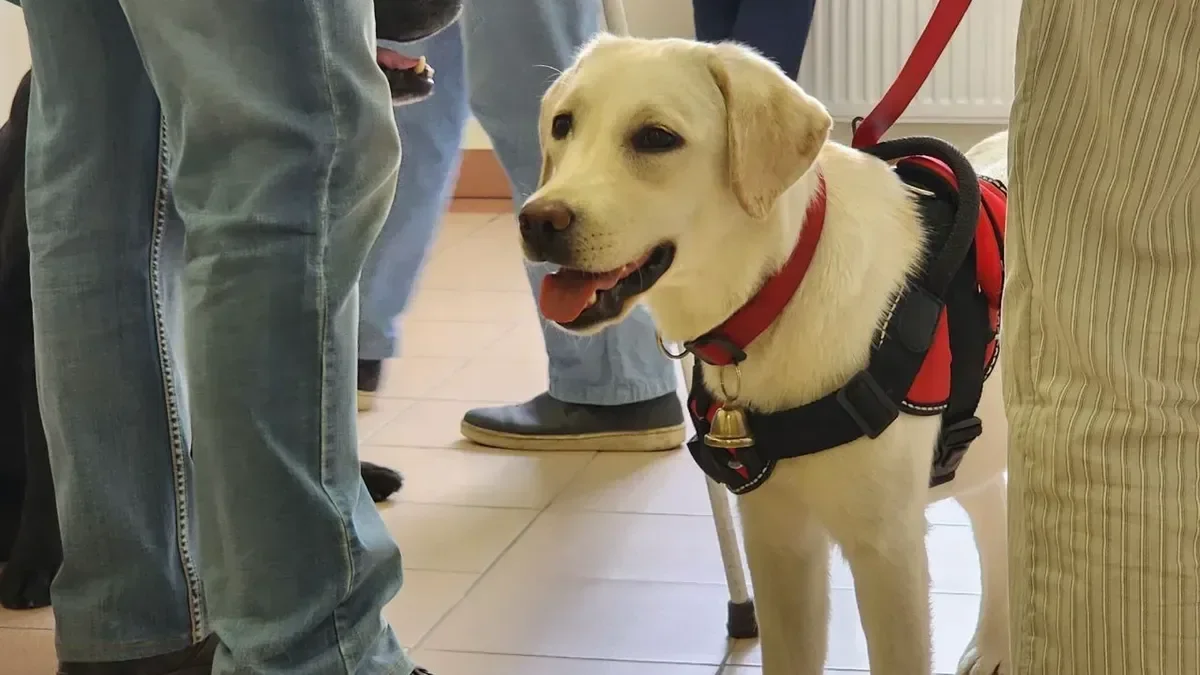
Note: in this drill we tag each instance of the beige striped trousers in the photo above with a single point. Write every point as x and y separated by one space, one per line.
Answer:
1102 336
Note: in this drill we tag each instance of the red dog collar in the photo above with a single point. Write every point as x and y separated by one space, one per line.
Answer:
726 343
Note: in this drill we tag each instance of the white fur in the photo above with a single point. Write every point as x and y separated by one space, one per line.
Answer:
733 200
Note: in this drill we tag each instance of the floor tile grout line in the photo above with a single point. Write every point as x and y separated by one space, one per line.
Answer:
470 359
654 582
578 658
477 580
362 439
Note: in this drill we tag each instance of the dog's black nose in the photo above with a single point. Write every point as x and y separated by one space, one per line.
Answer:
542 220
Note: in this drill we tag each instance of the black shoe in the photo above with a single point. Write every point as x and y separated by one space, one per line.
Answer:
545 423
370 373
195 660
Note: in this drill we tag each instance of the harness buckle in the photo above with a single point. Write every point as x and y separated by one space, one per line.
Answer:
952 447
868 404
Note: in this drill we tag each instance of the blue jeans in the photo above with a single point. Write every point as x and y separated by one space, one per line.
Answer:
777 28
511 52
204 181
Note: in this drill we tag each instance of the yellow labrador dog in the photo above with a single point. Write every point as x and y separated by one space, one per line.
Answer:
678 174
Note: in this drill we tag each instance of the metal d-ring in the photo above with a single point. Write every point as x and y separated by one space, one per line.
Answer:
730 399
663 347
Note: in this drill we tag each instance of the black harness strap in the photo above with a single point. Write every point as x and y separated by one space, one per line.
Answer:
873 398
865 406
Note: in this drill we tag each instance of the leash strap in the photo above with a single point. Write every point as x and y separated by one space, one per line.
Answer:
933 41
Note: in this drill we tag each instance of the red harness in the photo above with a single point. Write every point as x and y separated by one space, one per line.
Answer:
913 369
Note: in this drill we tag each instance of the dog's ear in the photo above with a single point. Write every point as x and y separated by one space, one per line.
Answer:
775 130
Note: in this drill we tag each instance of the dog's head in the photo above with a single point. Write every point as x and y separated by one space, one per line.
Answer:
657 155
411 20
408 21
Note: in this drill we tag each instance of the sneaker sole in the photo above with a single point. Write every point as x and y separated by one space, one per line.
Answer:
366 401
653 440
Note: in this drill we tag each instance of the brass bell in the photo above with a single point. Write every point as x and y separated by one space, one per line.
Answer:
729 430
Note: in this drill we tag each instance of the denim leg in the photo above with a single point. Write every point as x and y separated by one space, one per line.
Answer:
282 156
777 28
98 231
714 19
514 48
431 134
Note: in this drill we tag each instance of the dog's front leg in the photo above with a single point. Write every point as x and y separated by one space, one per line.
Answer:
788 555
886 551
987 653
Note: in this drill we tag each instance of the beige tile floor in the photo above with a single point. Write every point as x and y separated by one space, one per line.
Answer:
549 563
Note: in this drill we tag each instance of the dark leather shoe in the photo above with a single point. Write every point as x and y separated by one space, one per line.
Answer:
545 423
370 373
195 660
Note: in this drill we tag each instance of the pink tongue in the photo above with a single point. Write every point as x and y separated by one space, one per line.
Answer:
566 293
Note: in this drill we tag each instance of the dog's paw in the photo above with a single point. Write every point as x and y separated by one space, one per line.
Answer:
983 657
25 586
382 482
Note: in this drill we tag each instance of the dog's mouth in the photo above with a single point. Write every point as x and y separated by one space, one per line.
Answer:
577 299
409 79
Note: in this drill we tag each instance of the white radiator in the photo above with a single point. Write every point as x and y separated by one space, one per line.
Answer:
857 47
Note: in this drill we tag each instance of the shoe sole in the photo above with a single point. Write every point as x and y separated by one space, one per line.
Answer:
366 401
653 440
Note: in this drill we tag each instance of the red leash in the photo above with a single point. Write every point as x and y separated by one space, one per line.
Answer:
945 20
724 344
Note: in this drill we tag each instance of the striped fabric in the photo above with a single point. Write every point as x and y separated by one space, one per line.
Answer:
1102 335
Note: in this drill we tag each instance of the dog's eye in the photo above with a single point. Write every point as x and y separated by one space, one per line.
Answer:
560 126
655 139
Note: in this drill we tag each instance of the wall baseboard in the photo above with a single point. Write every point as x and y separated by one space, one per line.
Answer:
480 176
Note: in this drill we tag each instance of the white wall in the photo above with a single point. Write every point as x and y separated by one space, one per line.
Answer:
648 18
673 18
14 54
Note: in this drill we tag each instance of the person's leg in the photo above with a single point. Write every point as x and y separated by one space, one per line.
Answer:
107 370
612 391
282 161
714 19
777 28
1102 339
431 134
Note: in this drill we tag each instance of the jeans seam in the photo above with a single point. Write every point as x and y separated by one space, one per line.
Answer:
323 219
170 390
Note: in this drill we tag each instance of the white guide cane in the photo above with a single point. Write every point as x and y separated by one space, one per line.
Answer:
741 621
